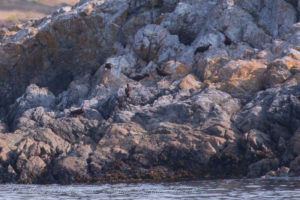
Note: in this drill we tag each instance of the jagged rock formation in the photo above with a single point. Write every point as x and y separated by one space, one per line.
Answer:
214 92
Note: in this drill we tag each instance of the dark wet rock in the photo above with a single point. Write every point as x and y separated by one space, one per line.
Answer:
280 172
274 111
262 167
295 167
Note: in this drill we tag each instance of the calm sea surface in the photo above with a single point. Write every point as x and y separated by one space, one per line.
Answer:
283 188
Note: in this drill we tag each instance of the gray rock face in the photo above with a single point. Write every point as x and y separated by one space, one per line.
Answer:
32 98
274 111
279 13
136 90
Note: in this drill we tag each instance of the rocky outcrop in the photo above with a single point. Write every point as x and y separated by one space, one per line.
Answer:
133 90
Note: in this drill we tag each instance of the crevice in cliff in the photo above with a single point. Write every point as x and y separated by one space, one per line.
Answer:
185 37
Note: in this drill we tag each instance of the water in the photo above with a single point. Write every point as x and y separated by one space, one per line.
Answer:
284 188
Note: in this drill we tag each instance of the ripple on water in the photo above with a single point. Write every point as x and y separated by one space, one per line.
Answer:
286 188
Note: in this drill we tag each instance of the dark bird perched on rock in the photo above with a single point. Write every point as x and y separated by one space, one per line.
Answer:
227 41
107 66
128 90
77 112
202 49
140 77
162 72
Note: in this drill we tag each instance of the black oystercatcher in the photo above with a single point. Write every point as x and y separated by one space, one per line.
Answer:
227 41
202 49
128 90
77 112
107 66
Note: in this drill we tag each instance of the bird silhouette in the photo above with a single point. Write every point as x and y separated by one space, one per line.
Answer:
107 66
227 41
77 112
202 49
128 90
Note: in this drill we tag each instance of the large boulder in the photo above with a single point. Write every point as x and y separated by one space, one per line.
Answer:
240 78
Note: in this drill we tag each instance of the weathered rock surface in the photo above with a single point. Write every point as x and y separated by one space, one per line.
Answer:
127 90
